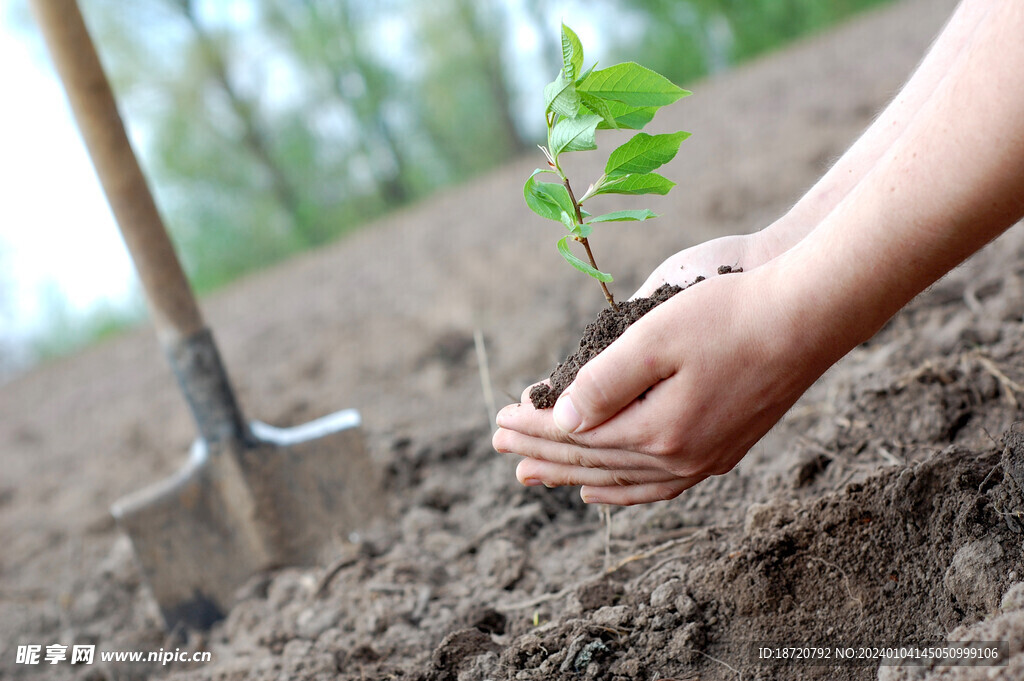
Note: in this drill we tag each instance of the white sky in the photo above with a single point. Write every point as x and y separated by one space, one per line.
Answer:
56 231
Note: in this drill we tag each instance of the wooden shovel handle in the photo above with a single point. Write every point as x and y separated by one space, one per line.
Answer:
173 307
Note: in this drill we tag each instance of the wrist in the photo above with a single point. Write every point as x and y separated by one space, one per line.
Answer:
832 302
792 227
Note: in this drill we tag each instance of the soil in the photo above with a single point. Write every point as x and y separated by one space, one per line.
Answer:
598 335
602 332
886 508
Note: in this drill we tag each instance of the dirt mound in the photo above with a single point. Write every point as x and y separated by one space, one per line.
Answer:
893 514
899 525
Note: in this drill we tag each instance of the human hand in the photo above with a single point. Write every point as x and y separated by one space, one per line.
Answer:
717 366
703 260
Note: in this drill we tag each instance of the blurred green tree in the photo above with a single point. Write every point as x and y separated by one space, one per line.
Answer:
270 126
330 40
686 40
464 95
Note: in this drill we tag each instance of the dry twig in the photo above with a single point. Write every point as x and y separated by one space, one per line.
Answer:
846 579
725 664
331 572
652 552
485 376
1010 387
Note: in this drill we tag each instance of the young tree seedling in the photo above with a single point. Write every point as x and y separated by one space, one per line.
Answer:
577 104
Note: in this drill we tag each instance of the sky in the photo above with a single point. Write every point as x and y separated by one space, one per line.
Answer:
58 238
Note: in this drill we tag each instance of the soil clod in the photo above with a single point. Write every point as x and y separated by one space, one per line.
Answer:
598 335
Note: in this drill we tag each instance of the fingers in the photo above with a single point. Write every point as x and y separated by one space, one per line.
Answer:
532 472
523 418
515 442
640 436
537 423
613 379
638 494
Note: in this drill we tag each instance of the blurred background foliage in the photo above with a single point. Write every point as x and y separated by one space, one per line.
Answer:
273 126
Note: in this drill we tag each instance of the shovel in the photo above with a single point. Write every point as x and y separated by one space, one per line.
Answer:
251 496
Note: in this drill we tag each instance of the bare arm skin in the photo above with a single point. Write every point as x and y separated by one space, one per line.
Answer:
752 250
723 362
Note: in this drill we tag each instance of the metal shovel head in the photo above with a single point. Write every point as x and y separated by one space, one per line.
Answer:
237 508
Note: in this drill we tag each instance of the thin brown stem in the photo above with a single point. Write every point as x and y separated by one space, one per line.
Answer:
575 203
593 263
586 245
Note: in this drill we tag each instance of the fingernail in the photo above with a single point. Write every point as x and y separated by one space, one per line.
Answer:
532 482
565 415
589 497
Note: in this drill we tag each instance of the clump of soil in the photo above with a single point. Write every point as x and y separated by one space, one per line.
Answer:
598 335
602 332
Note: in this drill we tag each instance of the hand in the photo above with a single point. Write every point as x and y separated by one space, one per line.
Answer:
717 366
703 260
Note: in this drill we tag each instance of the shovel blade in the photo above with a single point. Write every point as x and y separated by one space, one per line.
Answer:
236 509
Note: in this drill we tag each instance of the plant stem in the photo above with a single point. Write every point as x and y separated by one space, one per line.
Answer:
575 203
586 244
604 287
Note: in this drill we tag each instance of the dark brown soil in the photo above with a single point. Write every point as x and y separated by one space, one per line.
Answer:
598 335
602 332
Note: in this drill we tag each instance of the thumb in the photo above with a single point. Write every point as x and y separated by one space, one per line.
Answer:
613 379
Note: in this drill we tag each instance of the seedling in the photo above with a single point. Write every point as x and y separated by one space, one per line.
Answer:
577 104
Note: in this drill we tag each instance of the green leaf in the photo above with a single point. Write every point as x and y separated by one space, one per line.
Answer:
601 108
572 54
586 75
644 153
650 183
547 199
561 97
632 84
573 134
625 216
630 117
558 194
563 248
568 221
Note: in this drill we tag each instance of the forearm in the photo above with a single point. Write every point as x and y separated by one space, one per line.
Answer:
951 182
887 128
